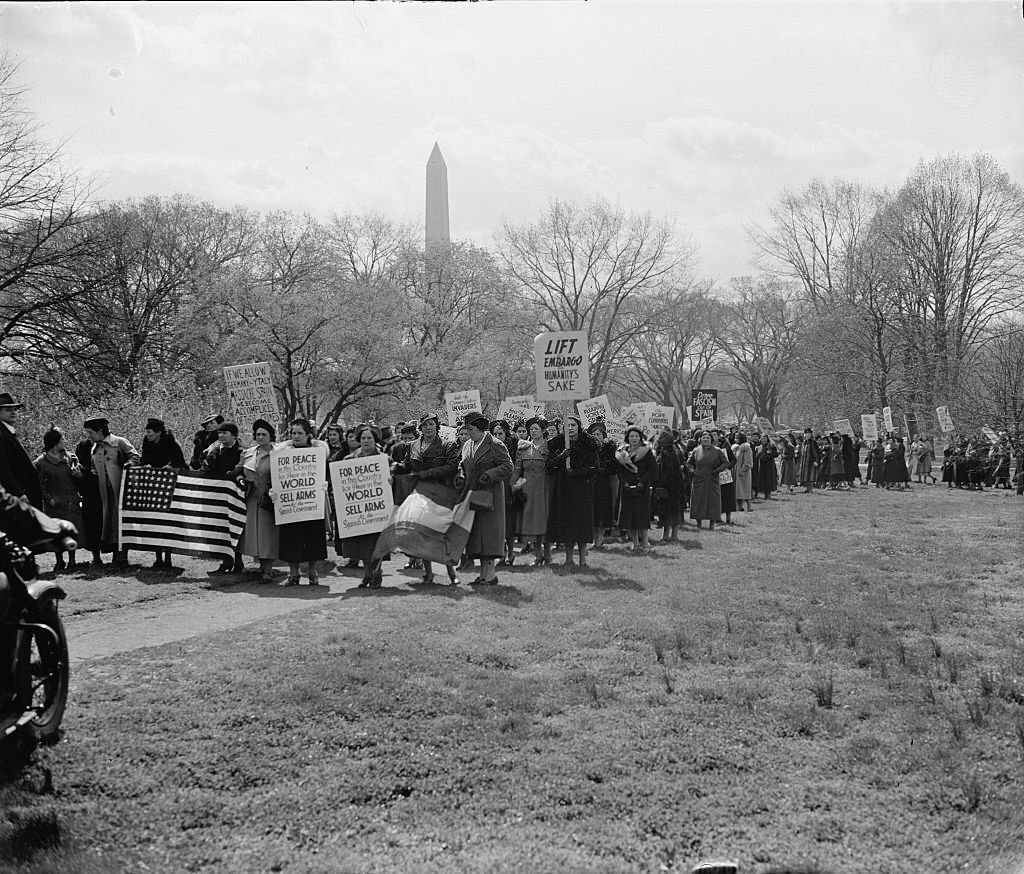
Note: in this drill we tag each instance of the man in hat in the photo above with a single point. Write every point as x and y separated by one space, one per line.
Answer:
204 438
17 473
110 455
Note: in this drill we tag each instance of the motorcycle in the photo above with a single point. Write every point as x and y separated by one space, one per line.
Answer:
34 669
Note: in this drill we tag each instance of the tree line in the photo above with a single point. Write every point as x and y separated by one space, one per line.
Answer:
862 298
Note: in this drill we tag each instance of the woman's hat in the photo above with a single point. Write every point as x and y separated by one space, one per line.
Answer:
266 426
230 427
477 420
7 401
155 425
536 420
51 438
409 428
597 423
504 424
430 417
212 417
94 424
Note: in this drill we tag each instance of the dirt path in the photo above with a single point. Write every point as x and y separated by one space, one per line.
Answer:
106 632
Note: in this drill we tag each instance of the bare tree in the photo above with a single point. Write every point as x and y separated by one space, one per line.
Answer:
588 269
760 337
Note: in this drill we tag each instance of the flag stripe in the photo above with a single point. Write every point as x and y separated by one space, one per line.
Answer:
193 515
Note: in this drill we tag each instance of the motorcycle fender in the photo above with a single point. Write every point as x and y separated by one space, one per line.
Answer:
45 590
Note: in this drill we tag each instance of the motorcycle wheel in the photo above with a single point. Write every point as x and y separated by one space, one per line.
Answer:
50 676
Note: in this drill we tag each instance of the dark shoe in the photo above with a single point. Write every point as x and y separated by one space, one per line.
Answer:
265 579
314 580
537 562
60 566
365 584
427 579
493 581
291 581
479 581
453 580
352 562
377 581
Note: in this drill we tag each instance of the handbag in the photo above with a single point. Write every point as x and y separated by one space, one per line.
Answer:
481 499
265 502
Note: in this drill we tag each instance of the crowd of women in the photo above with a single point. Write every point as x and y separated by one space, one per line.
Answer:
545 485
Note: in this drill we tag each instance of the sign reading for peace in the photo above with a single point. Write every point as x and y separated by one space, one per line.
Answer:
297 477
562 365
363 500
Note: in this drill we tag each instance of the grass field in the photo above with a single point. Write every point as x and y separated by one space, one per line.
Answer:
837 682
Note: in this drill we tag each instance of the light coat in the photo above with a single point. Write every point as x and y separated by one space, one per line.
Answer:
490 457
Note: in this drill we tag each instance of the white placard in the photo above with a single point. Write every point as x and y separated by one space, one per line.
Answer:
297 476
514 413
887 418
562 365
521 400
363 500
251 394
593 409
843 426
945 419
459 403
661 418
447 432
992 436
869 426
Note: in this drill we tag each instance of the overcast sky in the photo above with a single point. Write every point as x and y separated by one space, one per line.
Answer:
704 112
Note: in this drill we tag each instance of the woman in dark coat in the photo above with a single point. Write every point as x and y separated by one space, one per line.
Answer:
727 480
484 466
705 464
59 476
502 431
637 471
304 541
836 464
160 449
606 483
573 463
876 464
766 475
92 505
809 460
667 499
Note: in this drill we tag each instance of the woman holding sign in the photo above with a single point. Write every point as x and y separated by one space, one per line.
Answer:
304 541
364 544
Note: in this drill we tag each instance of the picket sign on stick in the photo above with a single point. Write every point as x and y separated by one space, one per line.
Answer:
514 413
661 418
593 409
843 426
869 426
251 395
363 500
945 419
562 365
459 403
297 476
887 418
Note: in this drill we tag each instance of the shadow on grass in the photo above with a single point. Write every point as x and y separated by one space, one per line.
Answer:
599 578
509 596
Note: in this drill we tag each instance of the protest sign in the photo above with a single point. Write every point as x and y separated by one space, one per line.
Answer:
459 403
514 413
992 436
689 416
448 433
843 426
636 414
869 426
592 410
520 400
945 419
887 418
251 393
297 477
562 365
708 423
363 500
705 403
661 418
616 428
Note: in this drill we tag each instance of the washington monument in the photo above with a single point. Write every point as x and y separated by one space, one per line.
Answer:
437 200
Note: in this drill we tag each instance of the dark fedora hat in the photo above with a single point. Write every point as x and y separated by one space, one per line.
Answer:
477 420
96 423
7 401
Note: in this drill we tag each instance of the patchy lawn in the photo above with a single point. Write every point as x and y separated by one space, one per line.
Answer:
837 681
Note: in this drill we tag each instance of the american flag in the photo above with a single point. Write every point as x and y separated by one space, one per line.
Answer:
162 509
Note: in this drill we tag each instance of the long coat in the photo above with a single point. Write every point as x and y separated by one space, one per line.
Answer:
606 487
572 498
260 538
487 536
744 471
532 466
706 493
17 473
809 459
635 488
59 481
109 458
766 474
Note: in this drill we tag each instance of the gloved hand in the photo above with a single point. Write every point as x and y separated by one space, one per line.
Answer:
484 479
